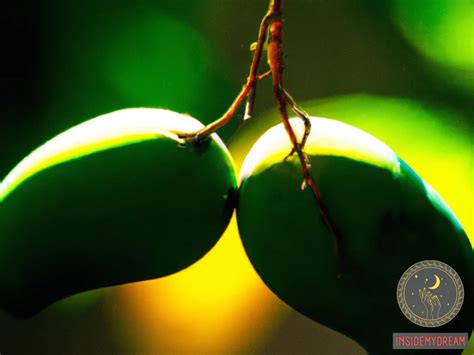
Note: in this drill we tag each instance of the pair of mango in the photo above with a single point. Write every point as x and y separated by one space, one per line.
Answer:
120 198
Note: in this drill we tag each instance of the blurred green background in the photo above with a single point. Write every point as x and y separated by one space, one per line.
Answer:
402 70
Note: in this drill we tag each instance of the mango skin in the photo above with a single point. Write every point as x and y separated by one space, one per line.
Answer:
388 217
128 213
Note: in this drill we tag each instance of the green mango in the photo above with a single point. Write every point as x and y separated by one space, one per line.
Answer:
117 199
387 216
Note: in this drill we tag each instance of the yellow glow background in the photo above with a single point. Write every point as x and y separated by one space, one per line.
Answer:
219 304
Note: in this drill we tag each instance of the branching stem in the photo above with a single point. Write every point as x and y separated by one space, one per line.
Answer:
250 85
271 28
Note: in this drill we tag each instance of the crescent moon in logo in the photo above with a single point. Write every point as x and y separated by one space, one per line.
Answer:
436 284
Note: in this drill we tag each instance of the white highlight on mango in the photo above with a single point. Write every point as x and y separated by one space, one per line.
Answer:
107 131
327 137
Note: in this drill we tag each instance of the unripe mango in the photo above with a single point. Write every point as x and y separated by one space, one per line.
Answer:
116 199
388 219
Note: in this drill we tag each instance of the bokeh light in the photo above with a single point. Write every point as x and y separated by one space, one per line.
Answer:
140 57
166 67
442 30
210 307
